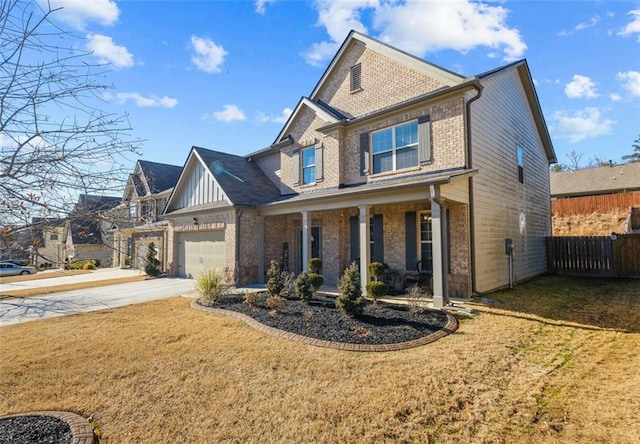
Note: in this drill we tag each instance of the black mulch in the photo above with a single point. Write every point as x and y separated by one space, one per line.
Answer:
29 429
381 323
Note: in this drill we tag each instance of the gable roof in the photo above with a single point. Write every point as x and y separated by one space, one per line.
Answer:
599 180
84 232
322 110
526 80
160 176
88 202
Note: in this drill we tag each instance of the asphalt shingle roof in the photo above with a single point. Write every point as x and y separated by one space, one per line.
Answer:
242 180
600 180
160 176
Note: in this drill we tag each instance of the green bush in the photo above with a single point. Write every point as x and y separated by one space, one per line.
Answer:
96 262
350 300
376 269
275 279
89 265
303 287
376 289
315 265
211 286
152 264
316 280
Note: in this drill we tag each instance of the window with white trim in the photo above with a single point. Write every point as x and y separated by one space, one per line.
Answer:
425 239
395 148
308 165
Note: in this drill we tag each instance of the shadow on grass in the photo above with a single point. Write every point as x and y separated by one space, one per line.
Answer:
612 304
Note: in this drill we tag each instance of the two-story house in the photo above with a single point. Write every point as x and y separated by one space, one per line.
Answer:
49 245
389 159
138 224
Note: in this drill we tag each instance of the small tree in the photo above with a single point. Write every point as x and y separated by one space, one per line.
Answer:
315 265
635 156
377 270
303 287
152 265
275 279
350 300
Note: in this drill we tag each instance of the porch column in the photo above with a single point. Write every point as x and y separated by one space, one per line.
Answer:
365 250
440 250
306 239
260 249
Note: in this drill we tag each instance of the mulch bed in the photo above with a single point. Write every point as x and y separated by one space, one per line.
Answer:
30 429
381 323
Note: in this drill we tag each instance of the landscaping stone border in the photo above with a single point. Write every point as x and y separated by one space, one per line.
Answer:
81 430
450 327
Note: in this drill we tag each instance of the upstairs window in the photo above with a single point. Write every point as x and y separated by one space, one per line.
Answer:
520 160
356 77
133 210
395 148
308 165
53 236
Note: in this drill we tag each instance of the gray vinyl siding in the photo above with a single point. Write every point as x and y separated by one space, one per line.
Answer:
270 166
502 120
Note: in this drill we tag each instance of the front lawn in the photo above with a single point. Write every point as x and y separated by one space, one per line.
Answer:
536 365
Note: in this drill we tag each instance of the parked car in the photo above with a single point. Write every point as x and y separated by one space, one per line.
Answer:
9 269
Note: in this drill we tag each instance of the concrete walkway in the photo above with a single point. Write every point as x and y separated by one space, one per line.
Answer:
17 310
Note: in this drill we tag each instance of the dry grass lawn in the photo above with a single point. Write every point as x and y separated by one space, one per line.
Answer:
555 360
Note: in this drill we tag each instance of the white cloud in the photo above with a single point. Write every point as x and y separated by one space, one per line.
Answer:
615 97
145 102
581 87
229 113
584 25
103 47
208 56
630 81
634 26
420 27
78 13
261 5
584 124
282 118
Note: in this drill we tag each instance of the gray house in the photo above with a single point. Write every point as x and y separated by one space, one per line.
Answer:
389 158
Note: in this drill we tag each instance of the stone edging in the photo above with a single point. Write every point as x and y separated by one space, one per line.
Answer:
81 430
450 327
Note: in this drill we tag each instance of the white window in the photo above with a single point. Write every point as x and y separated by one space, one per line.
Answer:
133 210
395 148
425 248
309 165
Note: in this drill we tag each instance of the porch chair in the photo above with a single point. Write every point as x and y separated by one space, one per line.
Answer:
421 277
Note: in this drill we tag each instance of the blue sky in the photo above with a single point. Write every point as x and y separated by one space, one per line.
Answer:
224 75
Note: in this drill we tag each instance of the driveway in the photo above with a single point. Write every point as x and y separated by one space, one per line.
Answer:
17 310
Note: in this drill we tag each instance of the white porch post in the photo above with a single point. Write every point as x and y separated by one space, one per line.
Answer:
439 230
306 239
365 250
260 249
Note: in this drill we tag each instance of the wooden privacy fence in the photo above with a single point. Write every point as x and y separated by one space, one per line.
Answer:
598 256
604 203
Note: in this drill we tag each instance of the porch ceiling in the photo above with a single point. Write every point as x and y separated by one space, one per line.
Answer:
398 190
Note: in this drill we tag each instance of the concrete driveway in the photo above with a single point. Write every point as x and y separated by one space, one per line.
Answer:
17 310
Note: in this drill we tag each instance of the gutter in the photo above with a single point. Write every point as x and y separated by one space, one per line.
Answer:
472 236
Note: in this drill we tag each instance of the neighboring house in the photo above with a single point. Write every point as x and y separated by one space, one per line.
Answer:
389 159
87 235
49 241
145 197
596 201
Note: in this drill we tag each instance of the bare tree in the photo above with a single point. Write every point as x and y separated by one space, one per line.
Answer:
574 160
55 141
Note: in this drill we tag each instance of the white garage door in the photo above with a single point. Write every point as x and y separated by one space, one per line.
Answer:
199 251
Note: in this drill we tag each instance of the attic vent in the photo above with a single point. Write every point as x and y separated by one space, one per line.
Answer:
356 77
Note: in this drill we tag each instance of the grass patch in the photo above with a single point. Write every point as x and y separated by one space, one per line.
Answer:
516 373
39 291
41 275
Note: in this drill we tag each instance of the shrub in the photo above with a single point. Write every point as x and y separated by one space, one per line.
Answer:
417 299
152 265
251 298
376 289
350 300
316 280
275 279
376 269
315 265
289 284
275 302
96 262
303 287
211 285
89 265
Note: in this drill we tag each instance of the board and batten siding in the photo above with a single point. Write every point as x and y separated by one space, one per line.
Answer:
503 207
201 188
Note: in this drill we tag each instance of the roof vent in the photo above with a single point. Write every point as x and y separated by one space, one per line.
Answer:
356 77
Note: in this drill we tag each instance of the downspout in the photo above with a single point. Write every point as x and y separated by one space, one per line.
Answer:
237 264
472 237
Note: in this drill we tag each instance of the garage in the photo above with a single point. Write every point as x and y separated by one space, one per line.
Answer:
200 250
